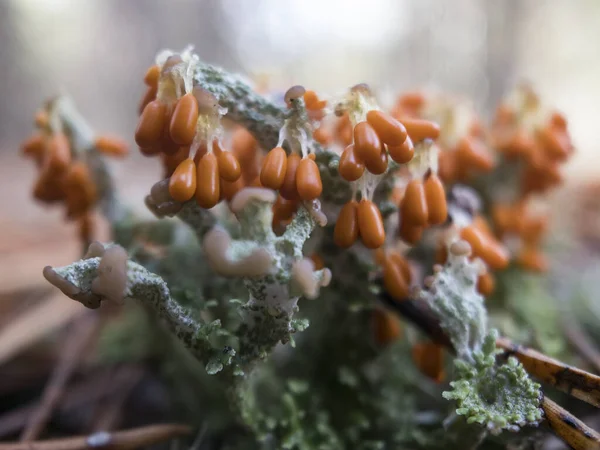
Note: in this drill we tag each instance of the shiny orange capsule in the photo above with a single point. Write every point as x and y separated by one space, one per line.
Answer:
229 166
401 262
170 162
273 169
419 129
386 327
486 284
429 359
152 75
533 229
473 154
367 144
41 119
555 142
322 136
308 179
414 204
350 168
288 189
394 281
34 147
346 231
378 166
410 234
283 210
111 146
343 130
182 184
48 188
402 153
389 130
317 261
476 239
370 224
496 255
151 124
230 188
207 181
311 100
435 196
58 157
86 228
149 95
532 259
182 127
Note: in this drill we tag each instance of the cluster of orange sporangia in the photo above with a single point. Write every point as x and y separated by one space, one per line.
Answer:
185 127
538 140
516 221
462 138
374 137
295 176
64 177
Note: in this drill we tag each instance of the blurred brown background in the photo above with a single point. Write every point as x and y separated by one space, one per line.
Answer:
98 50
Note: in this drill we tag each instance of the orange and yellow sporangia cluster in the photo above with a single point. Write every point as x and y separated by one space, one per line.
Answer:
535 140
425 145
64 173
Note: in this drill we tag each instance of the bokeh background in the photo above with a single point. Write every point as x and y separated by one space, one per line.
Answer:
98 50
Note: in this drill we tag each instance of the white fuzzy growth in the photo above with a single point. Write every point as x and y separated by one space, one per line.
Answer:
454 298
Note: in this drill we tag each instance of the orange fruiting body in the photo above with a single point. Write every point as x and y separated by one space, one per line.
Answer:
308 179
394 280
429 359
58 157
379 165
370 224
411 234
182 184
207 181
229 166
182 128
151 124
389 130
413 208
350 168
436 200
34 147
288 189
419 130
402 153
386 327
486 284
346 231
111 146
152 75
273 169
367 144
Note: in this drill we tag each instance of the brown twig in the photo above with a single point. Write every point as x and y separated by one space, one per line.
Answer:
576 382
121 440
84 331
579 339
566 426
569 428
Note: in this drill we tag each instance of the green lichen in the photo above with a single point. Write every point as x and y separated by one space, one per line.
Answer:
496 396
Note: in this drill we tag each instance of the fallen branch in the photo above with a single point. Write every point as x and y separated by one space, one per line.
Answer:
121 440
